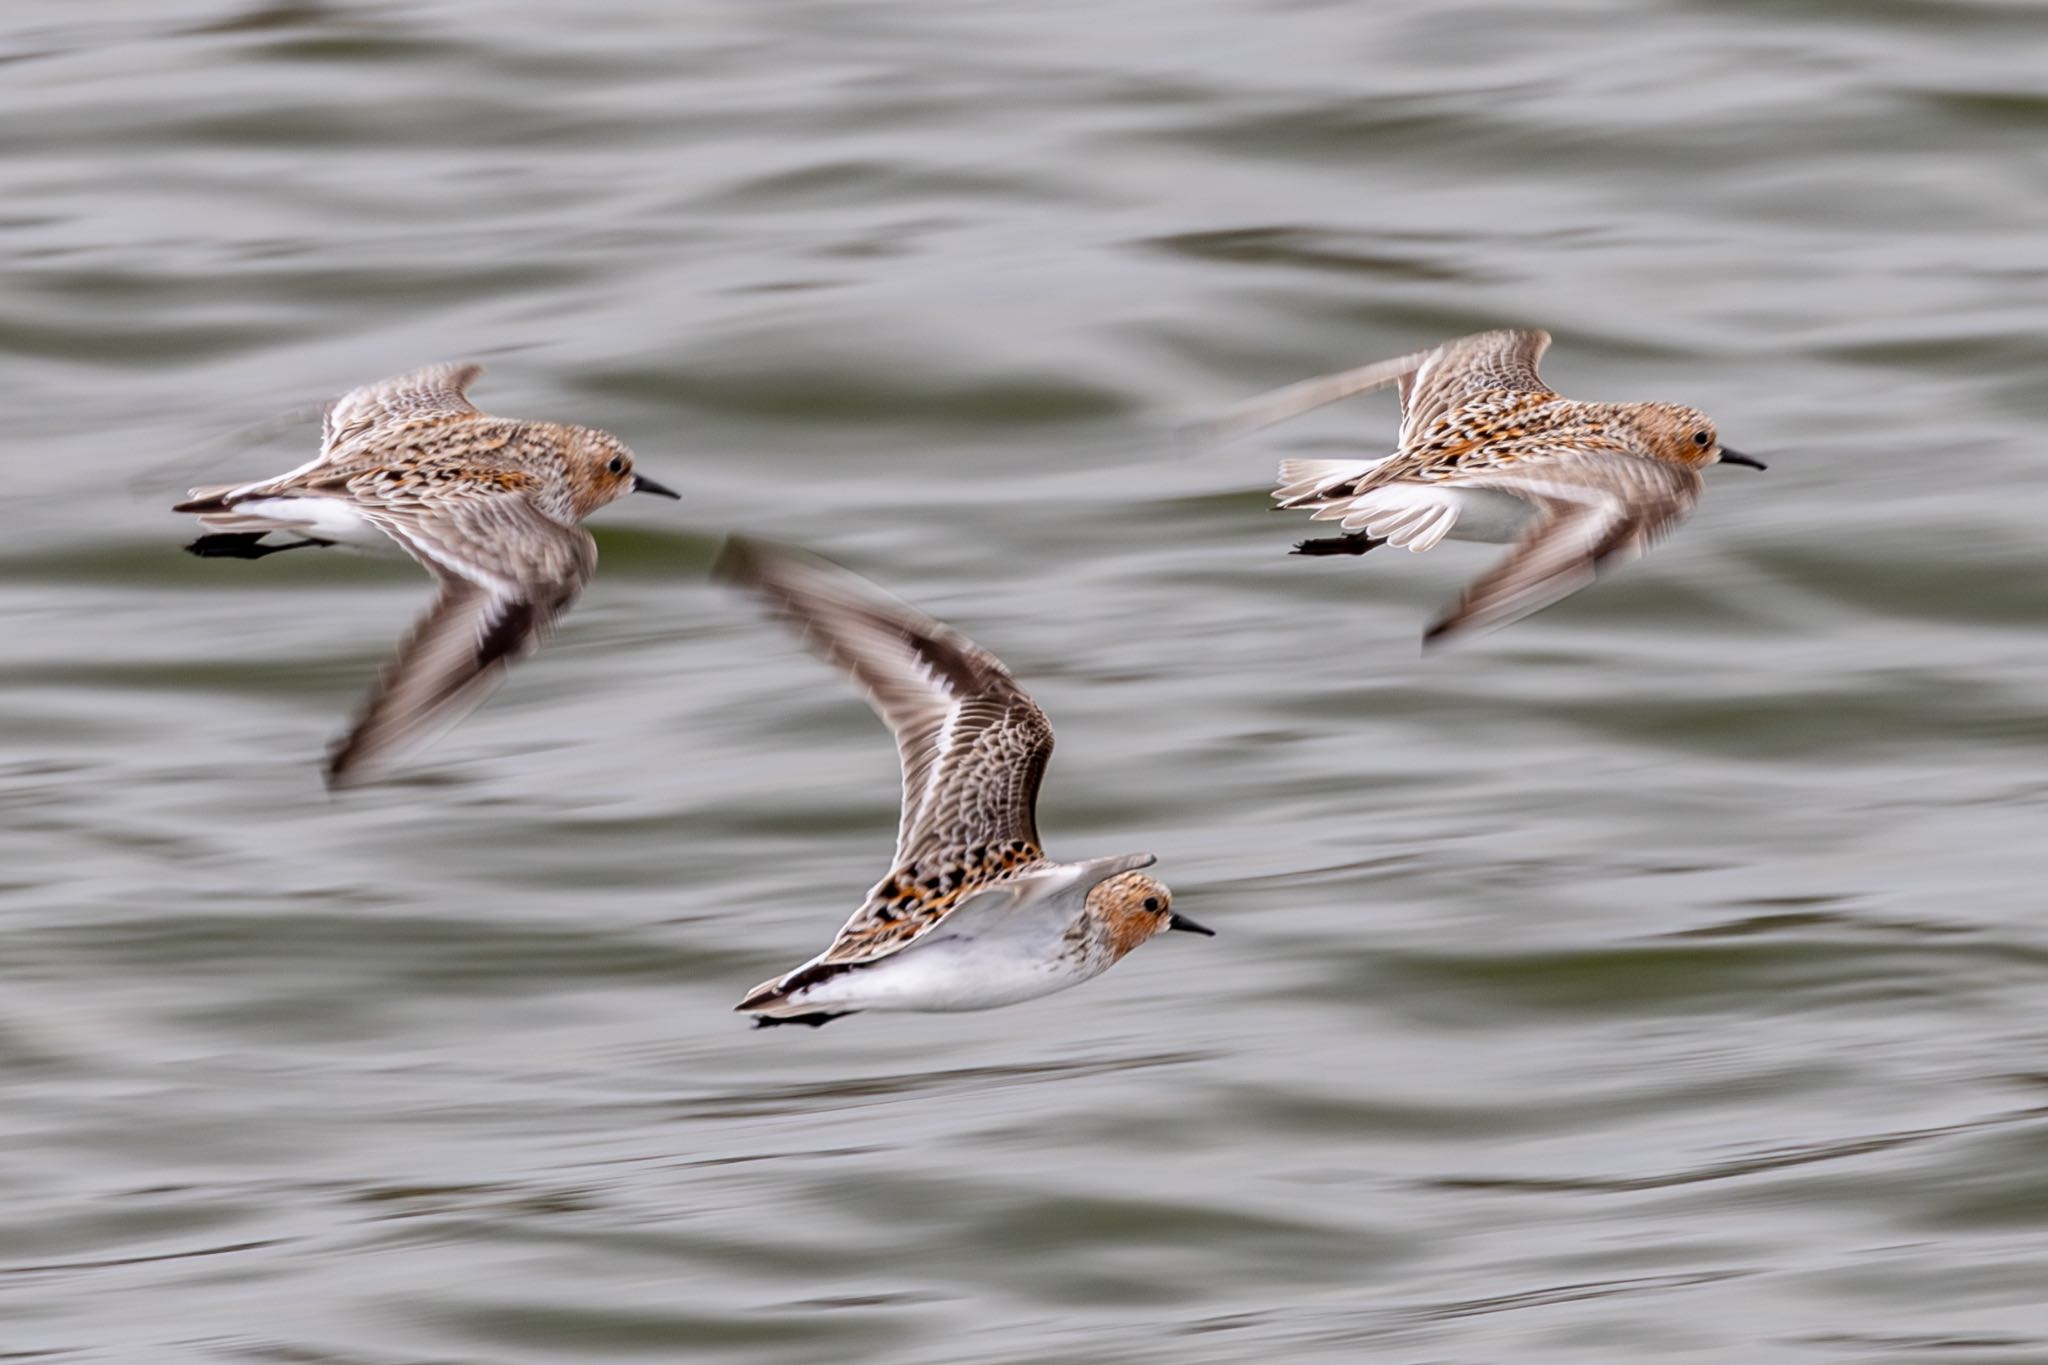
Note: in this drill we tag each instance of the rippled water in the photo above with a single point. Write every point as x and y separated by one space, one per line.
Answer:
1659 979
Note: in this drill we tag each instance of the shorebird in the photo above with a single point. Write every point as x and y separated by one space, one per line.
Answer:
1487 451
490 506
972 913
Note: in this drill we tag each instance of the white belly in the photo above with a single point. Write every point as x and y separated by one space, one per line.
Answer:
946 975
1485 514
324 518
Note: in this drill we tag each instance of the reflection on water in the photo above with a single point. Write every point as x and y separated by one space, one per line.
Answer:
1658 979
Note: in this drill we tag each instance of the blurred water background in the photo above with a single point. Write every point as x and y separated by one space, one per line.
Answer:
1663 978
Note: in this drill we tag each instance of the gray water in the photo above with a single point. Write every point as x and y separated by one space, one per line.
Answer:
1662 978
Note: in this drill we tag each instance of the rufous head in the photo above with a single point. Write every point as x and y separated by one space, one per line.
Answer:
600 470
1131 907
1682 436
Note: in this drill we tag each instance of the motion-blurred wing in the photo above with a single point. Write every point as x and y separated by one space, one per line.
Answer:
1480 363
1431 381
506 573
1595 511
973 745
436 391
1278 405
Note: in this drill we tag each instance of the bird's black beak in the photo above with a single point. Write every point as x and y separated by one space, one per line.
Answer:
1737 457
1188 926
643 484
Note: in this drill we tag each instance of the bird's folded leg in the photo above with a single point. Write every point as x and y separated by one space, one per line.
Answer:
1356 543
244 545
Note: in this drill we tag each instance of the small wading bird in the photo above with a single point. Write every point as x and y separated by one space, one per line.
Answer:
490 506
972 914
1488 452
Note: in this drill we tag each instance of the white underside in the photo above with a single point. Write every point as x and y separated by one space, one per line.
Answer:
324 518
943 977
1479 514
1411 516
980 958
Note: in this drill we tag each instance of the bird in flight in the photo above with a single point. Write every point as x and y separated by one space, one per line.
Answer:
490 506
972 913
1487 451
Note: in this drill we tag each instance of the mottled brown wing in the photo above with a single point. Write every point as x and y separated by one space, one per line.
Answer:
972 743
506 573
1431 383
1479 363
1596 510
436 391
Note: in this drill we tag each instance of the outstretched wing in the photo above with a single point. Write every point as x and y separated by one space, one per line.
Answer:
506 573
433 392
436 391
1595 510
1481 363
1278 405
973 744
1432 382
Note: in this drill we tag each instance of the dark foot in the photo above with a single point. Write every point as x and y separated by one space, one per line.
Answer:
1357 543
814 1020
243 545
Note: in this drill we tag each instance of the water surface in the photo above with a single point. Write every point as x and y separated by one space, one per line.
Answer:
1659 979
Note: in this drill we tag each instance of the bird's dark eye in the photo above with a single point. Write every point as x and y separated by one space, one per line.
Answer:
1152 903
618 464
1702 439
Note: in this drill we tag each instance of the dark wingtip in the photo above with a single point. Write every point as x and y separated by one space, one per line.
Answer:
742 562
734 558
346 764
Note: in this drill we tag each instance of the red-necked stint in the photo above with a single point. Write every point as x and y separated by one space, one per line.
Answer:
1488 452
490 506
972 914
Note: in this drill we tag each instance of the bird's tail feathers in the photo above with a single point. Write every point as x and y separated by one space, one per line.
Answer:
1305 480
213 499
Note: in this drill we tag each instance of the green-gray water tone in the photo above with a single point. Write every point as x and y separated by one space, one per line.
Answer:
1664 978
